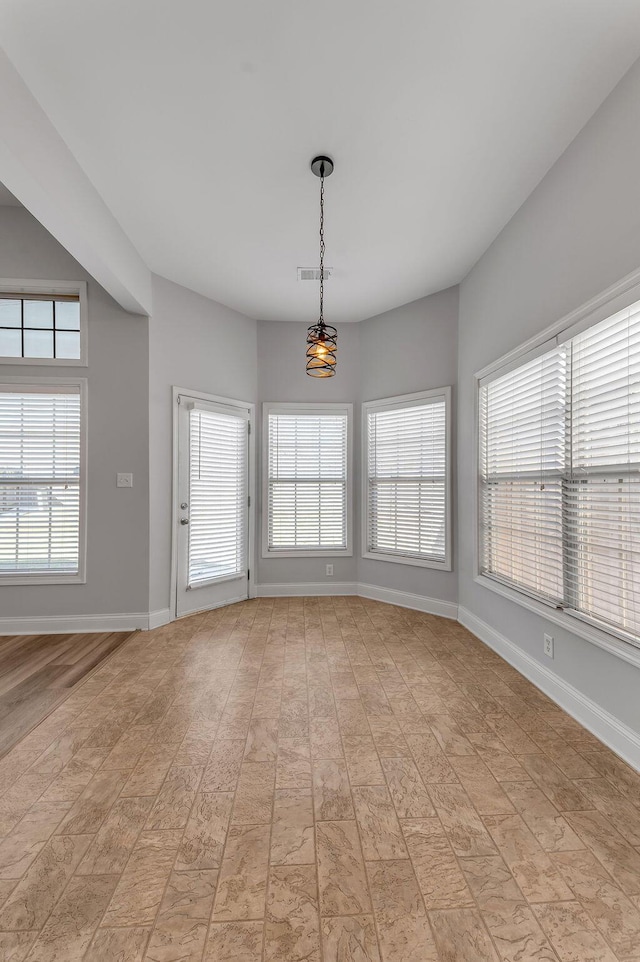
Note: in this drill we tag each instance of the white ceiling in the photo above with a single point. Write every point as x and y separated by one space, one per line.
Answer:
196 121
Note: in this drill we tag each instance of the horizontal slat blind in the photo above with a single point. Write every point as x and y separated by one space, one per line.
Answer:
522 447
307 481
406 509
40 438
603 489
218 496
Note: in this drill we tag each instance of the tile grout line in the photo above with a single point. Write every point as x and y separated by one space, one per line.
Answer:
211 921
396 638
142 829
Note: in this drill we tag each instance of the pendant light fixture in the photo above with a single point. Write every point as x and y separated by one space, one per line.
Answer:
322 339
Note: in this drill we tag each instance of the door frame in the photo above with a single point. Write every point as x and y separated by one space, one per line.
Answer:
251 486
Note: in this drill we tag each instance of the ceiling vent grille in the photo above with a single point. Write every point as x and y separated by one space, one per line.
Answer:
313 273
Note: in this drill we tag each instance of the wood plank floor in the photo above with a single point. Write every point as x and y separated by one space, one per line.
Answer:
327 780
37 672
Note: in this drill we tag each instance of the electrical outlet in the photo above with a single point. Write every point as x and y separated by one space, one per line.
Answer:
548 646
328 570
124 480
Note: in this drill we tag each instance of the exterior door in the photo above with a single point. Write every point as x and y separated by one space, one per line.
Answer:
212 515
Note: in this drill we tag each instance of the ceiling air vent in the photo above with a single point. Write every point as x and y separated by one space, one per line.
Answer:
313 273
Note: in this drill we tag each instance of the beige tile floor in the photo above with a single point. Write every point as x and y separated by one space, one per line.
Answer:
315 779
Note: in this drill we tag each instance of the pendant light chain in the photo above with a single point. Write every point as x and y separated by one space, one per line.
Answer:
322 247
321 338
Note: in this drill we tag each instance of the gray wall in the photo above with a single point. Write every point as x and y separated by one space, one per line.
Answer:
198 344
578 233
412 348
282 377
118 518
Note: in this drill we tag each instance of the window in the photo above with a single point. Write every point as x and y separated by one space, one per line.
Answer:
41 482
307 477
407 479
218 474
42 323
560 474
522 418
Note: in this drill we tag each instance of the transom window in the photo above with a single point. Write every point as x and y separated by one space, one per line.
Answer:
406 484
307 498
560 474
41 326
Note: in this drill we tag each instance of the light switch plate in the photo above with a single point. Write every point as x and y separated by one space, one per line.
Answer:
124 480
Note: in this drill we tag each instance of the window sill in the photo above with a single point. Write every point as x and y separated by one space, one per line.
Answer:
42 579
56 362
624 650
308 553
407 560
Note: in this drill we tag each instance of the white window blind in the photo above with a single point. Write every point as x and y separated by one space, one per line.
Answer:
307 481
603 489
40 462
218 513
560 475
407 510
522 425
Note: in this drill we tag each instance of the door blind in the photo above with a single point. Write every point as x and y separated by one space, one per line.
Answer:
218 511
407 480
307 481
603 489
40 445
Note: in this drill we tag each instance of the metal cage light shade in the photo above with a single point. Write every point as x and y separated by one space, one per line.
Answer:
322 343
322 339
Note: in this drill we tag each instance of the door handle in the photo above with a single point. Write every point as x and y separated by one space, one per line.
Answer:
184 521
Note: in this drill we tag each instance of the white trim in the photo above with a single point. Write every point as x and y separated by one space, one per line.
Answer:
615 298
69 624
218 604
159 618
624 741
626 650
618 297
227 402
307 589
23 287
44 578
399 401
318 408
405 599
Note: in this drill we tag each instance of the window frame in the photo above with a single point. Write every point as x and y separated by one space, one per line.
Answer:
315 409
22 288
400 401
21 578
616 298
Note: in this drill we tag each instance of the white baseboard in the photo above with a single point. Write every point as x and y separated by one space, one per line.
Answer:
405 599
67 624
159 618
306 589
621 739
